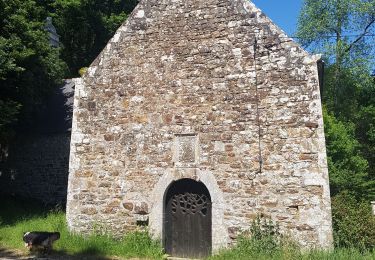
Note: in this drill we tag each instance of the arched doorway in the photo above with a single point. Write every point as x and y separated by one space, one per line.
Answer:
187 219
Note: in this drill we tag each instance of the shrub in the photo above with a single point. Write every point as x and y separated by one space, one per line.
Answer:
264 236
353 222
262 241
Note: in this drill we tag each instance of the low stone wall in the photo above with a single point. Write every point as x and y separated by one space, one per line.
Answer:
37 168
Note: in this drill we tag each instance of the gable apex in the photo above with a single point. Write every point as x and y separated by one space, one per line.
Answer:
149 13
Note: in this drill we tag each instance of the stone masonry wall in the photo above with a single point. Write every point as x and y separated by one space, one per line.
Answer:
37 168
221 73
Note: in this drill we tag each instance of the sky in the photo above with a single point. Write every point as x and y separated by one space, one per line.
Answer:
283 12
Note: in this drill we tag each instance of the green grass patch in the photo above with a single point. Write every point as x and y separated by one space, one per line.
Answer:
19 217
266 242
250 249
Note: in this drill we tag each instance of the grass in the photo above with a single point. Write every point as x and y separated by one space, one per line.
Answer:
287 253
266 242
248 249
16 218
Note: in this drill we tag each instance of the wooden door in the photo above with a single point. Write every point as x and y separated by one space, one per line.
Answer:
187 220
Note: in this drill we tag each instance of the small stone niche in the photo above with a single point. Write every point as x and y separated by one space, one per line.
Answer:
186 150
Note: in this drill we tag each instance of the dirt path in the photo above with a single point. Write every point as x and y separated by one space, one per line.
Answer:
7 253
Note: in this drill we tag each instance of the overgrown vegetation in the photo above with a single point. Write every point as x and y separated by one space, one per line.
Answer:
343 30
353 222
264 241
86 26
29 67
18 218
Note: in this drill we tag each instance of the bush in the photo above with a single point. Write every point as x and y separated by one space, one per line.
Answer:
353 222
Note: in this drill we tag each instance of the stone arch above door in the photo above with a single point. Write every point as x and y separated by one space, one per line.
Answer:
220 236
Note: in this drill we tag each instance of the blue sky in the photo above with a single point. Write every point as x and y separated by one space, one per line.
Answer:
283 12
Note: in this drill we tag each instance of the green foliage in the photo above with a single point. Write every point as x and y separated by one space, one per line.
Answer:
353 222
8 113
264 241
365 133
21 216
291 253
82 71
264 234
86 26
346 93
337 19
29 67
348 169
339 29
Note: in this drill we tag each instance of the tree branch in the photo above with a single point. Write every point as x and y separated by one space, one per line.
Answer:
361 35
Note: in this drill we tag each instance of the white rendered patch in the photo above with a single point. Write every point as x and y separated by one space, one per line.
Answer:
116 37
140 14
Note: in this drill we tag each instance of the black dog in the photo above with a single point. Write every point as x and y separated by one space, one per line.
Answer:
40 240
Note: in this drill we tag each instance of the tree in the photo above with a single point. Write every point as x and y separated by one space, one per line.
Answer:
86 26
29 67
343 30
348 168
365 133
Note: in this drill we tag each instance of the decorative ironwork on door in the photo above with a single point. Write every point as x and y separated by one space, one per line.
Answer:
187 220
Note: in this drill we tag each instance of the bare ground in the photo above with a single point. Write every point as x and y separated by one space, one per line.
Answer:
10 253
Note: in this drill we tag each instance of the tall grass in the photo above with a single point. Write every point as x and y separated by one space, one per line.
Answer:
264 240
249 249
16 220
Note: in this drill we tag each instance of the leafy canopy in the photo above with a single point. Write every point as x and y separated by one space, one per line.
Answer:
29 67
86 26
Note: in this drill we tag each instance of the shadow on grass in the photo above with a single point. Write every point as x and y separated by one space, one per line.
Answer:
92 252
88 254
10 254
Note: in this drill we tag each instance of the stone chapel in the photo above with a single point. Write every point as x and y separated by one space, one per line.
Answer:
198 116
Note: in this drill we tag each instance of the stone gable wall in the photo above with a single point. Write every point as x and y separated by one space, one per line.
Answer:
222 73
